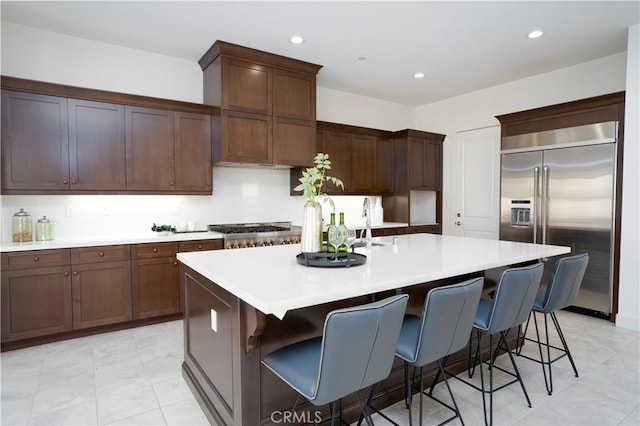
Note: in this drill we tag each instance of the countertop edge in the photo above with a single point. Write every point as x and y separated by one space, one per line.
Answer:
8 247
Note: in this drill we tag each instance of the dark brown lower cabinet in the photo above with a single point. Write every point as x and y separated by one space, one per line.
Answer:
36 302
101 293
156 289
155 283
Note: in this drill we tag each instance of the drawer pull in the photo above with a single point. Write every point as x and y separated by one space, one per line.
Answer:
73 182
101 254
155 250
175 263
75 272
66 274
199 246
36 258
65 181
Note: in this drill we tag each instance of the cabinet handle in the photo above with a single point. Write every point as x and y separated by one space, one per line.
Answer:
65 181
66 274
199 246
175 263
73 182
101 254
75 272
36 258
155 250
171 183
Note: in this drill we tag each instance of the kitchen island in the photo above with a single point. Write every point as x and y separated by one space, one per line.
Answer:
242 304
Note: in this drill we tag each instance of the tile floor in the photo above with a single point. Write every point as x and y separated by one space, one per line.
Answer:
133 377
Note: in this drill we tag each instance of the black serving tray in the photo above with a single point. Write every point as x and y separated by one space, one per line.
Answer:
328 260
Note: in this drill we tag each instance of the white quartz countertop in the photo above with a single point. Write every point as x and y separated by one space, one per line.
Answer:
149 237
271 280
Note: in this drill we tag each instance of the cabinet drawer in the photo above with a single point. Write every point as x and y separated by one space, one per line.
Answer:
100 254
35 259
200 245
153 250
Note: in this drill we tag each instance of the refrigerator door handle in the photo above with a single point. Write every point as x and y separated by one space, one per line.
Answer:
545 202
536 202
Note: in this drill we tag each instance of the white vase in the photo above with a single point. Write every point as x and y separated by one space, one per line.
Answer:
311 239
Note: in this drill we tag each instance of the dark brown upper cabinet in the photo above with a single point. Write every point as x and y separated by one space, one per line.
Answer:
96 146
361 157
425 163
268 106
167 150
60 139
35 141
417 160
150 152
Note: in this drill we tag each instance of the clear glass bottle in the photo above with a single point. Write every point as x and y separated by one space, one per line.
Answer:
332 222
343 231
21 227
44 229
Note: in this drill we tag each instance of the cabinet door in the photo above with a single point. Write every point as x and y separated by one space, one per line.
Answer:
416 163
150 149
35 142
383 165
432 178
156 288
246 86
246 138
362 174
193 152
35 302
294 142
101 293
96 146
294 95
338 146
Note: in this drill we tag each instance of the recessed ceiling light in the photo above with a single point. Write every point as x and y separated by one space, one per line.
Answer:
418 75
535 34
296 39
362 58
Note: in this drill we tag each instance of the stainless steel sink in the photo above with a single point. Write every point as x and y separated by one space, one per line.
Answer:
360 244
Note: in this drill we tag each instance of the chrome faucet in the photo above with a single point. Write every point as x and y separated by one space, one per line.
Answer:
365 235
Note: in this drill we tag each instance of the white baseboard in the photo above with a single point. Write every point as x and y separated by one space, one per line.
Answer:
630 323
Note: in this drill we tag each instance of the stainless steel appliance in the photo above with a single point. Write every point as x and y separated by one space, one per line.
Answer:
242 235
558 187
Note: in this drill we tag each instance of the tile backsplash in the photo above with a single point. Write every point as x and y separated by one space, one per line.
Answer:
239 195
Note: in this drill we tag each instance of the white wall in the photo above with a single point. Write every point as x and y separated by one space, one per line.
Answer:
47 56
629 296
340 107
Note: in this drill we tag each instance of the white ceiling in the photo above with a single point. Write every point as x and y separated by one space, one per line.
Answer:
459 46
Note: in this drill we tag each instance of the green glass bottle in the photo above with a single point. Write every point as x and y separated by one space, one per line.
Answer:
343 231
332 222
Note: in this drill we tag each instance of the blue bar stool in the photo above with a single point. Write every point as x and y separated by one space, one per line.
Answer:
510 307
356 350
442 329
561 291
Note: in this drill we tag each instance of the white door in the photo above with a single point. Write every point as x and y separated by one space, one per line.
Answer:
476 184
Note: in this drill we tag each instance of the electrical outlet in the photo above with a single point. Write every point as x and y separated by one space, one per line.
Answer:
214 320
70 210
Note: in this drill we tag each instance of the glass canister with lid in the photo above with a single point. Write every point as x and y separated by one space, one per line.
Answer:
44 229
21 227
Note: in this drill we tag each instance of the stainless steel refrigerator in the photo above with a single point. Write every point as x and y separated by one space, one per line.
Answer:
558 187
